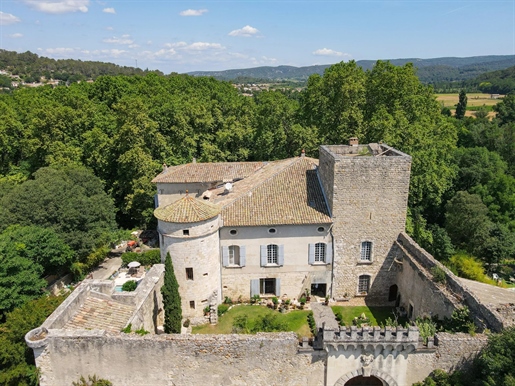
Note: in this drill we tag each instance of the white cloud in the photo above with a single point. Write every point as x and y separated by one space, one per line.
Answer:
202 46
58 51
246 31
109 10
58 6
7 18
16 35
109 28
328 52
193 12
174 45
124 39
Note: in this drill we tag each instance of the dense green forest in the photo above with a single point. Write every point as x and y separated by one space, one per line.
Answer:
31 67
76 163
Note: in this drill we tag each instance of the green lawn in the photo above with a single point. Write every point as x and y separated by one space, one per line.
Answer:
295 321
377 315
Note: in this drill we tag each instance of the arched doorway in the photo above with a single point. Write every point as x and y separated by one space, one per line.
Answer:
392 295
364 381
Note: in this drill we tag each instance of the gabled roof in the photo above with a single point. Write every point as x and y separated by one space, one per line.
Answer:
208 172
187 210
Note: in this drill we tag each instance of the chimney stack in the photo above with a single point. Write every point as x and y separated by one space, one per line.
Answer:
353 141
303 153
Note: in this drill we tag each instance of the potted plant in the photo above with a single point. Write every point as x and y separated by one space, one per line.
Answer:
326 300
308 297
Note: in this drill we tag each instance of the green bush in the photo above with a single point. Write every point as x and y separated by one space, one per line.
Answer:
426 327
312 324
469 267
145 258
222 309
268 323
142 331
339 318
129 286
255 299
438 274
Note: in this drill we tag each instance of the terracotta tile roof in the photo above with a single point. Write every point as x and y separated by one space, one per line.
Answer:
208 172
100 314
283 192
187 210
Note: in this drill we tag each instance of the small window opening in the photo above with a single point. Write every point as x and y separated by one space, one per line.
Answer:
189 273
192 304
321 229
272 230
233 232
186 232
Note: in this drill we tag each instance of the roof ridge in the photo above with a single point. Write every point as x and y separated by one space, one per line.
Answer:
294 160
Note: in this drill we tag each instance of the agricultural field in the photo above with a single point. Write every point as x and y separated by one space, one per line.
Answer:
474 101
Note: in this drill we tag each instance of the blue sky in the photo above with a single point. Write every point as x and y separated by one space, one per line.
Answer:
182 36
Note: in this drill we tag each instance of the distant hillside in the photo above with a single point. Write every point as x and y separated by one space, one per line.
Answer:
30 67
429 70
497 82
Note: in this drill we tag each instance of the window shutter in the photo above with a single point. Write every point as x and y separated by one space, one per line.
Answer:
242 255
329 253
225 256
280 254
263 255
277 287
254 287
311 254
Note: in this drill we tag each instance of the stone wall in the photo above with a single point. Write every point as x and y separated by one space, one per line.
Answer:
368 196
418 290
262 359
457 351
453 290
148 313
295 275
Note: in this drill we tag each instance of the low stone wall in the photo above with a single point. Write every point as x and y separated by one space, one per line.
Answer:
148 313
129 359
68 308
484 316
457 351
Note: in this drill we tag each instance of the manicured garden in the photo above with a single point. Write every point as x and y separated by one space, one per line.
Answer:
245 319
378 316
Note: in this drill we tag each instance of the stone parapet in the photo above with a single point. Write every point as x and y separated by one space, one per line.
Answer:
483 315
372 336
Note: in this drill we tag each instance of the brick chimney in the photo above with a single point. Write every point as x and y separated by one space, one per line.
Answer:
353 141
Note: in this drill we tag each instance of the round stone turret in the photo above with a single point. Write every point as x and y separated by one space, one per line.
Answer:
188 231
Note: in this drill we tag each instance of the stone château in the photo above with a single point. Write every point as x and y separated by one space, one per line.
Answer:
333 226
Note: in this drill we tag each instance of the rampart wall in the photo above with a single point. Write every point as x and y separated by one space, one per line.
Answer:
129 359
429 296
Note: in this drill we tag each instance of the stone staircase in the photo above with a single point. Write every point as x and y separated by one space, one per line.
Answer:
100 314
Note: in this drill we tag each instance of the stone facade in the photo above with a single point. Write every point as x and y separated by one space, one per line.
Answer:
196 262
295 274
367 192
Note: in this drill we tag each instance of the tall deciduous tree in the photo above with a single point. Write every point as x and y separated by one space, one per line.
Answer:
171 299
461 107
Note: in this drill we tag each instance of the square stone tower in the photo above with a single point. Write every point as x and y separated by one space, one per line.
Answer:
366 188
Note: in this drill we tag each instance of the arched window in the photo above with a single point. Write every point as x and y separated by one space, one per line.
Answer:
320 252
363 284
234 255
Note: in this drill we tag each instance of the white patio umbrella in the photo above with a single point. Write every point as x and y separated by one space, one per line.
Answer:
133 264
